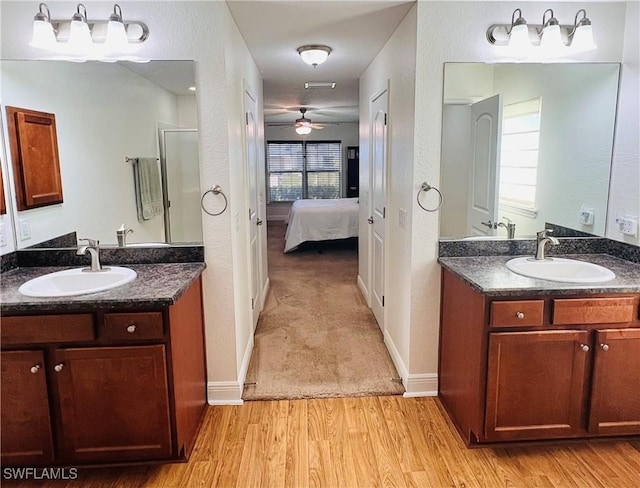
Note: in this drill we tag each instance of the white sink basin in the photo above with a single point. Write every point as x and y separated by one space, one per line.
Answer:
77 282
560 269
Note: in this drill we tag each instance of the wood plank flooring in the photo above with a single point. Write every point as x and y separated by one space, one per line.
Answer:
364 442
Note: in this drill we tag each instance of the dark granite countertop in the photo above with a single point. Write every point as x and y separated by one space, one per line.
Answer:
490 276
156 285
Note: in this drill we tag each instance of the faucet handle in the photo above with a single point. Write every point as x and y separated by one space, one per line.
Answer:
544 232
508 220
90 242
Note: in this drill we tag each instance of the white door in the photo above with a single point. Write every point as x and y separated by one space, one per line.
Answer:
251 141
378 137
486 133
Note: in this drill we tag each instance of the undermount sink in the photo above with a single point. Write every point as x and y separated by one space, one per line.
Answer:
560 269
148 244
77 281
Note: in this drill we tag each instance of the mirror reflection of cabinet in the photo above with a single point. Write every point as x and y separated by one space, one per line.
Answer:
3 204
34 154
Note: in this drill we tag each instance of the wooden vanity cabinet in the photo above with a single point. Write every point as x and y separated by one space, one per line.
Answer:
106 386
531 368
26 436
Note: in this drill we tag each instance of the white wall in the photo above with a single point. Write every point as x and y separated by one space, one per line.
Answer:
396 64
624 198
456 31
346 133
103 113
206 33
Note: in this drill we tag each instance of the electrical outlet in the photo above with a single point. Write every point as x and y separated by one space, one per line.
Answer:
25 229
629 226
586 216
3 236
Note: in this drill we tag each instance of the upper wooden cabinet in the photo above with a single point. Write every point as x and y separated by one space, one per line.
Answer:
34 153
3 203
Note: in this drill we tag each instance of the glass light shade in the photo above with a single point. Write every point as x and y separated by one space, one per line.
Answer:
551 40
43 35
314 57
519 37
79 38
583 39
116 39
303 130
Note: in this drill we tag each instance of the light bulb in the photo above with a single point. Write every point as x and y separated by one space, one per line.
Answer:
43 35
519 38
303 130
583 39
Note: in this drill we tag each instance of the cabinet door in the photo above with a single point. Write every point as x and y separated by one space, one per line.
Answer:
535 384
26 427
34 153
114 403
615 397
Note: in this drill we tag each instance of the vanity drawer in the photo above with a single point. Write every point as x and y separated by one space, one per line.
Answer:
133 326
593 310
522 313
47 328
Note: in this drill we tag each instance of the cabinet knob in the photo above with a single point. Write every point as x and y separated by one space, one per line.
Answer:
35 369
520 315
605 347
584 347
58 367
131 329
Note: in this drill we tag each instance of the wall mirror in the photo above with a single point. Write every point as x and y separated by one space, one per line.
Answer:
526 144
111 116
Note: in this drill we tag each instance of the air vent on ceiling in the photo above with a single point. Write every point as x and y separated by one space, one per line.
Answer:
319 84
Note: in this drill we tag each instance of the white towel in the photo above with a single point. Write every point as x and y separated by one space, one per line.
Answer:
148 188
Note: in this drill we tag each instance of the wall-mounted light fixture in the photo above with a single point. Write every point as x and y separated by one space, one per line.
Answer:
314 54
549 36
79 39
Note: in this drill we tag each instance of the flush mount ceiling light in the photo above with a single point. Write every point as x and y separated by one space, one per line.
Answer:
550 37
314 54
80 39
319 84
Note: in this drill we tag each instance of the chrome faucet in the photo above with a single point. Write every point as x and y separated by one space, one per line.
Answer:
121 235
541 242
93 247
510 226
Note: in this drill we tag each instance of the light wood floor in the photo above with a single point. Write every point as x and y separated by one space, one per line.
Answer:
365 442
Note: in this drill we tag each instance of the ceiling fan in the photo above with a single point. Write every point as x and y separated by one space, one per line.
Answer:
302 125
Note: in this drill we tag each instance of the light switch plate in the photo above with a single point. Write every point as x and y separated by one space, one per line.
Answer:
3 236
25 229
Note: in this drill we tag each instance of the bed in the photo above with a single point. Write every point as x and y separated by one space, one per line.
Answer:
321 220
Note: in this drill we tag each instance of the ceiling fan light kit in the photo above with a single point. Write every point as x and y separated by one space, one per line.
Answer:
314 54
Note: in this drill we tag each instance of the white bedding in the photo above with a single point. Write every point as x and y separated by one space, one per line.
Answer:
321 220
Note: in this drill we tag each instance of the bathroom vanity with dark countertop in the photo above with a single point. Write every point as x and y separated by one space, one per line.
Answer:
523 359
104 378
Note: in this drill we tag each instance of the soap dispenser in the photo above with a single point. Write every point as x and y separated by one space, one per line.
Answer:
121 235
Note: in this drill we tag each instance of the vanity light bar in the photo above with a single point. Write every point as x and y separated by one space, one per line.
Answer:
79 39
550 35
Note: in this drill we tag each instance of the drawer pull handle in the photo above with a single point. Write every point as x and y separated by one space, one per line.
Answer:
584 347
58 367
131 329
520 315
605 347
35 369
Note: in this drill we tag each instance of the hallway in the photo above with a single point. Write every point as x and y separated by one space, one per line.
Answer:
316 337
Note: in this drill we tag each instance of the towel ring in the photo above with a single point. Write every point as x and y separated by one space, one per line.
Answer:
426 187
216 190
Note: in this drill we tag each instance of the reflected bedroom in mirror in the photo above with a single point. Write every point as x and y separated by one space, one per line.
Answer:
127 151
526 146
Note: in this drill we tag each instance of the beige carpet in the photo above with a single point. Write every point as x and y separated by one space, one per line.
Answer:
316 337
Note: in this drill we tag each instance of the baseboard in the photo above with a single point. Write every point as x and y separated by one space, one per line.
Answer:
224 393
396 358
420 385
363 289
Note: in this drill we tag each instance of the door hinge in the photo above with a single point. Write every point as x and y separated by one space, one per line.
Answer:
383 300
253 304
384 212
246 118
385 119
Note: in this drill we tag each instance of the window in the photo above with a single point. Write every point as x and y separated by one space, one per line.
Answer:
519 154
304 170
